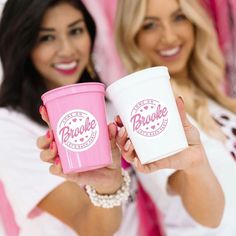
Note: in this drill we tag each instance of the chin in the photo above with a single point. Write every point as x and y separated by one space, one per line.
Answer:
175 70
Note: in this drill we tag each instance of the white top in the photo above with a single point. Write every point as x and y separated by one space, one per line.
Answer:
25 177
177 222
27 181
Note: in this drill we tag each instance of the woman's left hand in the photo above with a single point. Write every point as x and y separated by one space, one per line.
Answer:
188 160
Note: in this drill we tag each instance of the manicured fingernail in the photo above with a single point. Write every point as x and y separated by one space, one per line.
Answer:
40 109
48 134
57 161
127 145
51 145
136 162
116 129
121 132
181 99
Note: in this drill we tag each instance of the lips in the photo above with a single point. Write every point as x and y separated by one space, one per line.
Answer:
171 52
66 68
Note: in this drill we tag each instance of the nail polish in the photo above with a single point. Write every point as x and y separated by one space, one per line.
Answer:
51 145
48 134
181 99
121 132
40 109
57 161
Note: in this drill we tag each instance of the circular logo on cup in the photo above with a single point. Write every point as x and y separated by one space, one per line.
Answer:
149 117
77 130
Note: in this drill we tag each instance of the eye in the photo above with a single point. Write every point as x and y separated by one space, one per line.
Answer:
180 17
77 31
150 25
46 38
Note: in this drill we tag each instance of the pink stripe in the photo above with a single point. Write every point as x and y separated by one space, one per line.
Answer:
149 215
6 212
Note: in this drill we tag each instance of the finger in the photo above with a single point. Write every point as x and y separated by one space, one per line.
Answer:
191 132
56 169
140 167
49 154
118 121
129 153
44 114
182 113
116 156
121 138
177 161
43 142
112 129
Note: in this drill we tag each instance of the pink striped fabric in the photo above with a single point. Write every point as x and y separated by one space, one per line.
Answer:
223 13
106 58
7 215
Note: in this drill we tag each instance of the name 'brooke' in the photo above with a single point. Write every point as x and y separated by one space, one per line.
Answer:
139 120
67 133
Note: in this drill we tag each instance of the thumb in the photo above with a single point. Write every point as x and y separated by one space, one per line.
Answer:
112 129
191 132
44 115
182 112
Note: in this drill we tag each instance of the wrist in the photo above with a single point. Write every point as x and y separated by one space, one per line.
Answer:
199 165
110 200
113 185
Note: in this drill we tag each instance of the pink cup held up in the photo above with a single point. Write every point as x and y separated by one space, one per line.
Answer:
78 120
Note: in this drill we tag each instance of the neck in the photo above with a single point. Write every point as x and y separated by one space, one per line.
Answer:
181 77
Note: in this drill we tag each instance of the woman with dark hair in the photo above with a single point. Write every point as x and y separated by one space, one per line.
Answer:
22 81
44 45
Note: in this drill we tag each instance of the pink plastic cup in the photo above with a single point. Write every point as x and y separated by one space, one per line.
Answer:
78 120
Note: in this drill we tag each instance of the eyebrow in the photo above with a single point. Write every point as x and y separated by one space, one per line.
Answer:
157 18
69 26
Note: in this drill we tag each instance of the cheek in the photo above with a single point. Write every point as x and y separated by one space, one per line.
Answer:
146 41
40 56
85 47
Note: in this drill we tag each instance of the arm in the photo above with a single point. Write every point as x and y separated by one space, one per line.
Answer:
71 204
193 179
201 194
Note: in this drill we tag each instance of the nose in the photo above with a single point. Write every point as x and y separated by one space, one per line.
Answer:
169 34
65 48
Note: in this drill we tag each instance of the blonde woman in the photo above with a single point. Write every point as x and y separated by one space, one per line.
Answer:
179 35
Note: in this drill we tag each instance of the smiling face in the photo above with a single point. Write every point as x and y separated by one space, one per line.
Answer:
166 36
63 47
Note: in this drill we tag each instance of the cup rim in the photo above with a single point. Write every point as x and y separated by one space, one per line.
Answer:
156 71
73 88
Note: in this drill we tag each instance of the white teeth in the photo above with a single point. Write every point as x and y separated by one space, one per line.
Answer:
169 52
67 66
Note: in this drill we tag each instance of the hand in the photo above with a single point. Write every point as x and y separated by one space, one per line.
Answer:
105 180
188 160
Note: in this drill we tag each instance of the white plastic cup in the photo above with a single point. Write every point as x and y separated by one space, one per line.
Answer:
146 105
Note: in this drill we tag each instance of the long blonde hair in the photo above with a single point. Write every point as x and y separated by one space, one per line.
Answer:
206 65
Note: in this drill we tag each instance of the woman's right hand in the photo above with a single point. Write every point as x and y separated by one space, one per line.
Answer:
105 180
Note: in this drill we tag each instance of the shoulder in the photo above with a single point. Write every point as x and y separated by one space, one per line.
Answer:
218 110
18 139
11 120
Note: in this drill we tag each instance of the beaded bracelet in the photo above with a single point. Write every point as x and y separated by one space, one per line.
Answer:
112 200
